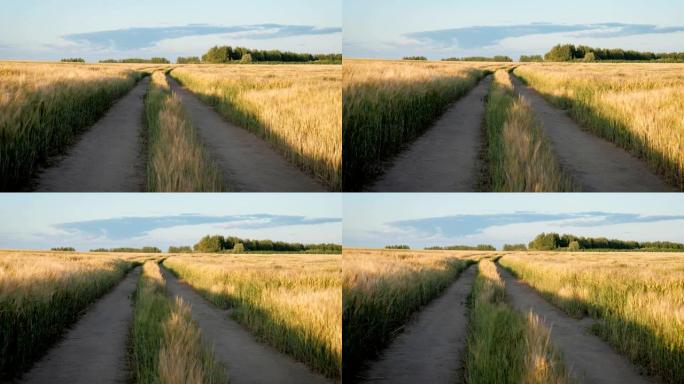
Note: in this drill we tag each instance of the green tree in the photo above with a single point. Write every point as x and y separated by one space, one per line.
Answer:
210 244
239 248
561 52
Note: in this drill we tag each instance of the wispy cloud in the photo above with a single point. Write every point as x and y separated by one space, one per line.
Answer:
137 38
484 36
465 225
123 228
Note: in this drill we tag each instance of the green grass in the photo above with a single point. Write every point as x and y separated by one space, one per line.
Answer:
504 346
177 161
519 158
165 345
373 312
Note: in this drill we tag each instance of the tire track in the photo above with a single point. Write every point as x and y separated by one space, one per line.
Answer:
446 157
431 347
248 163
108 157
248 361
94 350
595 164
587 358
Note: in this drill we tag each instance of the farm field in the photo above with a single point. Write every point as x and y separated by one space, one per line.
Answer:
56 124
150 321
623 307
599 127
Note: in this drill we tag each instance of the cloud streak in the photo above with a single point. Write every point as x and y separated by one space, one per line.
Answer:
138 38
485 36
123 228
465 225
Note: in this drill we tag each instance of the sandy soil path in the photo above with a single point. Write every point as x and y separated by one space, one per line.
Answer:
94 350
596 164
248 163
589 359
430 348
445 157
108 157
248 361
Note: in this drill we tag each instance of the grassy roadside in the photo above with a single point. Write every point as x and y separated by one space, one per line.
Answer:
637 298
380 296
176 160
40 296
519 157
505 346
387 104
166 346
44 107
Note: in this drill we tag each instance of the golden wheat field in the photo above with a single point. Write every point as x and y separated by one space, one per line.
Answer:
640 107
639 298
294 107
290 301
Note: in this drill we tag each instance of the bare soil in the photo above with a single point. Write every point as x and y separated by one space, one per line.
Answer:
430 349
588 358
248 360
248 163
94 350
108 157
445 158
597 165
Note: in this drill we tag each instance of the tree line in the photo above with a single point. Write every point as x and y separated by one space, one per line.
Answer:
129 250
570 52
554 241
226 54
73 60
218 243
480 58
154 60
480 247
63 249
399 246
416 58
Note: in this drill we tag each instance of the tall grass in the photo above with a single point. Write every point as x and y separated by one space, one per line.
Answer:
387 104
296 108
166 344
504 346
43 293
289 301
519 156
43 107
636 106
382 289
177 161
637 297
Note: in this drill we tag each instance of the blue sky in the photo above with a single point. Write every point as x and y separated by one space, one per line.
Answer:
444 28
53 29
87 221
419 220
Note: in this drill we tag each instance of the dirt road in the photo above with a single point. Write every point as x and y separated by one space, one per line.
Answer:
248 361
94 350
445 157
430 348
248 163
587 357
595 164
108 157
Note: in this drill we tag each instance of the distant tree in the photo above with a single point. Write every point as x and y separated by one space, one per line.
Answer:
181 249
246 58
63 249
188 60
561 52
239 248
73 60
515 247
532 58
589 57
574 246
400 246
418 58
210 244
545 242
